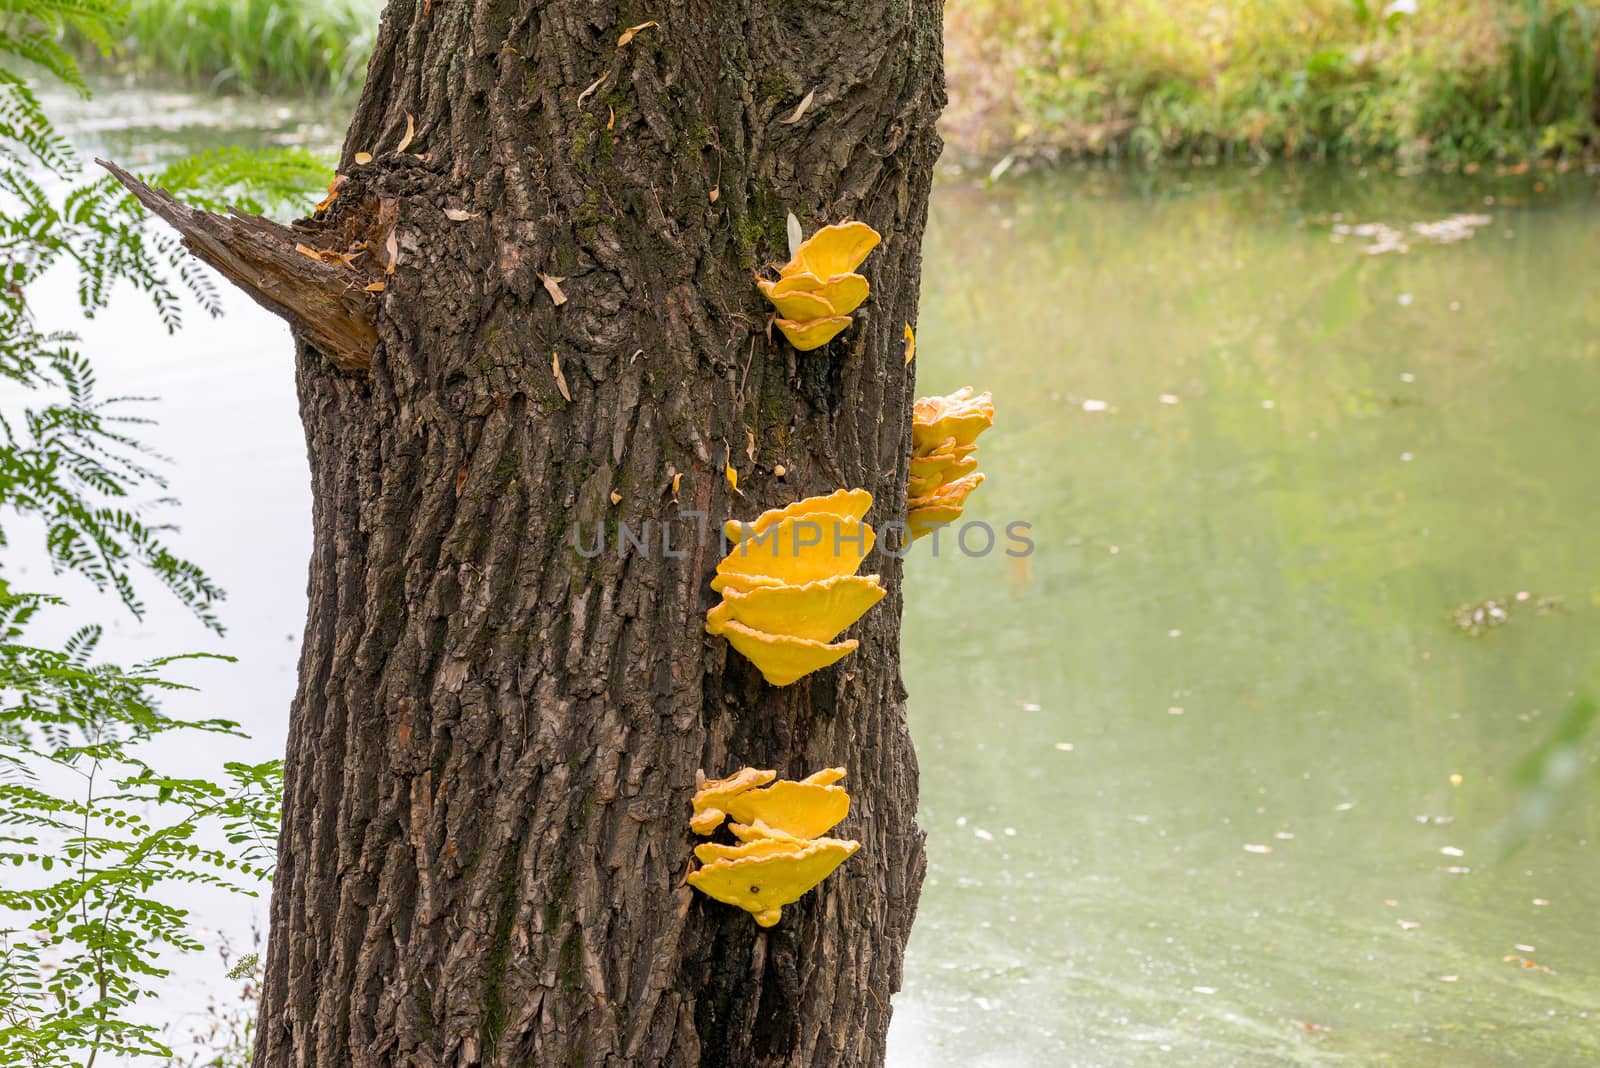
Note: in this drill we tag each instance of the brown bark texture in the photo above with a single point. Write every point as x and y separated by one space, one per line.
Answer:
495 739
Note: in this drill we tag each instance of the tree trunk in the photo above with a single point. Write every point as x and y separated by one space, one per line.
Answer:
495 739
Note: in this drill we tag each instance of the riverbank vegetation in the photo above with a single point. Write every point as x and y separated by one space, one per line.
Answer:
1422 81
1419 81
296 47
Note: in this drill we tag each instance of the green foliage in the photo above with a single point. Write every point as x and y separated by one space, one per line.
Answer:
1446 81
92 834
295 46
101 855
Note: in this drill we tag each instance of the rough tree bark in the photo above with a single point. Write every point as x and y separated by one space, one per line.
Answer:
495 739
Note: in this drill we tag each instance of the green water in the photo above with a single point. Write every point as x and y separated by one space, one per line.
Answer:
1278 554
1239 618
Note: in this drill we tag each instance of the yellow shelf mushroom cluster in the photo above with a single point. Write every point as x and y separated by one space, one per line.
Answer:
944 435
781 853
789 585
818 288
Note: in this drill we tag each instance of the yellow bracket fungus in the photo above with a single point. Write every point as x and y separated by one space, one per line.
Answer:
816 291
944 434
784 660
843 504
781 854
789 585
817 611
762 885
711 797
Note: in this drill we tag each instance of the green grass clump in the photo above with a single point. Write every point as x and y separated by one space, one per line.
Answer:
276 46
1430 81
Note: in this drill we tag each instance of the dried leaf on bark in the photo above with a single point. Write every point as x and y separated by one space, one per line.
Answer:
333 194
616 498
461 214
797 237
392 247
911 345
633 31
799 112
587 93
561 379
611 122
552 286
750 446
363 158
376 287
411 133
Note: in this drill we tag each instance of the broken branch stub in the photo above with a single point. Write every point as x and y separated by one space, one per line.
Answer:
260 257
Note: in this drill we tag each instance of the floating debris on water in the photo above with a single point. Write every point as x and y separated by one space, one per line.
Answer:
1382 239
1483 616
1258 849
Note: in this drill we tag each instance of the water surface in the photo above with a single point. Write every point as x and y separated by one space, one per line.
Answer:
1187 769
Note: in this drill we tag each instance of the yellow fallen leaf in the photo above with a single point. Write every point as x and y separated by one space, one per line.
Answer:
363 158
733 478
616 498
677 480
552 286
611 122
716 194
632 31
411 133
799 112
561 380
587 93
911 345
376 287
333 193
309 252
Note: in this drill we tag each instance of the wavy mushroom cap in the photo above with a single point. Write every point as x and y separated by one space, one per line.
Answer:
817 611
783 660
799 550
834 250
802 810
843 504
762 885
711 798
813 333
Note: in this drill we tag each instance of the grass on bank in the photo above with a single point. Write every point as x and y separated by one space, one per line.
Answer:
265 46
1420 81
1438 81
